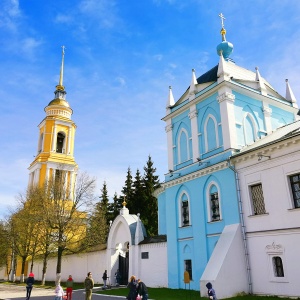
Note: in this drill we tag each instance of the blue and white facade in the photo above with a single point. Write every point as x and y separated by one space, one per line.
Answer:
200 206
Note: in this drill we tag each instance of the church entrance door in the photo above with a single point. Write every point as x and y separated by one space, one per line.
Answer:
123 268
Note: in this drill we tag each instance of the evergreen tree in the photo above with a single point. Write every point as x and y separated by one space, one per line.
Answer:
98 221
138 198
127 191
115 206
151 183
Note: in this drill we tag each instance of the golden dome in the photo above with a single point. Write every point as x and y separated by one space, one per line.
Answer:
61 102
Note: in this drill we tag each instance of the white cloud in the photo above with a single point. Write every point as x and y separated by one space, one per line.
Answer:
104 11
9 15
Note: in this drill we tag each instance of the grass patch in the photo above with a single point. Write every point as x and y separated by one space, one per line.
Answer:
157 293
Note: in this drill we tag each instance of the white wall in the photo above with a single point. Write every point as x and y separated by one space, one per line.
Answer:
276 233
226 268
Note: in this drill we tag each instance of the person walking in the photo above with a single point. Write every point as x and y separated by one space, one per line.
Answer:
142 289
69 285
118 277
29 285
104 277
59 292
132 288
88 284
211 292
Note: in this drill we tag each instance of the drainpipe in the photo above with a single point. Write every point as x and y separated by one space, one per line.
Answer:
243 225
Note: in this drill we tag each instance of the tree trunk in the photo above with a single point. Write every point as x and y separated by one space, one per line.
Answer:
23 269
44 269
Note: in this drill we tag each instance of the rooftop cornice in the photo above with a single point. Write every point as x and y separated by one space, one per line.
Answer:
248 91
180 180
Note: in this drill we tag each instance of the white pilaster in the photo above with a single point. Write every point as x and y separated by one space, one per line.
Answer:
43 138
54 139
169 131
69 140
194 126
267 116
226 100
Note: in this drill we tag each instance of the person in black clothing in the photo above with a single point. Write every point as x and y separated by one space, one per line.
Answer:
142 289
132 284
104 277
29 285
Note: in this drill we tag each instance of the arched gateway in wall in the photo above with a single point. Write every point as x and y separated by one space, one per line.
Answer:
126 232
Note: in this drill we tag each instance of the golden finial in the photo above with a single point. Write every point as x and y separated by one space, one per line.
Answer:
223 30
124 202
61 75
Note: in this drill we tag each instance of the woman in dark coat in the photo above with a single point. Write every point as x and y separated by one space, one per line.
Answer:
132 288
29 284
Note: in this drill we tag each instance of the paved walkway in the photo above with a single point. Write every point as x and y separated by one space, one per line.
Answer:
8 291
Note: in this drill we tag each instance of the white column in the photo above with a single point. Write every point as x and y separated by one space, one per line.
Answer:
169 132
30 179
267 116
36 176
69 140
54 138
226 100
194 125
43 138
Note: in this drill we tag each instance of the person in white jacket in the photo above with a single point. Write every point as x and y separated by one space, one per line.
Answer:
59 292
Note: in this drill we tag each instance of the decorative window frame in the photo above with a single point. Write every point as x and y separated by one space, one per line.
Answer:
289 188
208 206
272 251
210 116
180 132
180 218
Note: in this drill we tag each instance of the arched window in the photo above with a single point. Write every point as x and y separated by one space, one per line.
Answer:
211 133
183 146
185 210
213 203
60 142
250 131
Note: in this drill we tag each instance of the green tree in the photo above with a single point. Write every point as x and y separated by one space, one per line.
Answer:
151 183
127 190
138 199
115 206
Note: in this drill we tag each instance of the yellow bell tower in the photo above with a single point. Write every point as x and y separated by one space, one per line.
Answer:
55 150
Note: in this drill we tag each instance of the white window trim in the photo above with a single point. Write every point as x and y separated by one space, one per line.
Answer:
183 130
274 250
210 116
254 126
180 209
291 203
208 207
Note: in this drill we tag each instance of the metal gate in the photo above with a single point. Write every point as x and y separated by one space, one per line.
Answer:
123 268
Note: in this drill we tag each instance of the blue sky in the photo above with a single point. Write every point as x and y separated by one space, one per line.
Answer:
120 58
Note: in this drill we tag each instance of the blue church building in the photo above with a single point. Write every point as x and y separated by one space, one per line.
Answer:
222 112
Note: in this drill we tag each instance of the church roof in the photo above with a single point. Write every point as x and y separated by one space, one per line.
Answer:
154 239
280 134
209 76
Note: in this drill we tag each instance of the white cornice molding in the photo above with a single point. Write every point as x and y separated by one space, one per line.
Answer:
179 180
169 127
265 150
226 97
193 114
